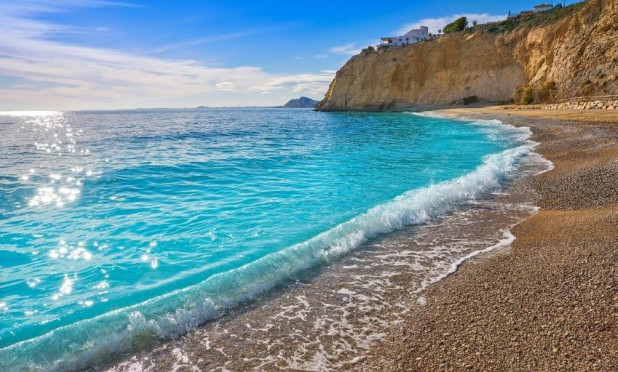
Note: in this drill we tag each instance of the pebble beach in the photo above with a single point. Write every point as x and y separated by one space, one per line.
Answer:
549 302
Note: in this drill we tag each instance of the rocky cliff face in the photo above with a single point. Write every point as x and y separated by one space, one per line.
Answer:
579 53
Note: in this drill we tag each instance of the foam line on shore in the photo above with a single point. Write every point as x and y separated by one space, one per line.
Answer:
503 243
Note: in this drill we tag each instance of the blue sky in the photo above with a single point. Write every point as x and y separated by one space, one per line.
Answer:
98 54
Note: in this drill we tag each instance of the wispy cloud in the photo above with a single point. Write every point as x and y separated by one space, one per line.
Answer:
205 40
348 49
312 84
436 24
27 7
85 77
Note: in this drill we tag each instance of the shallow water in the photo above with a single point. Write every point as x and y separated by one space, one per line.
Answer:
119 229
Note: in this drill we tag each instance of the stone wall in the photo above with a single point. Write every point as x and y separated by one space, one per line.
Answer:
608 104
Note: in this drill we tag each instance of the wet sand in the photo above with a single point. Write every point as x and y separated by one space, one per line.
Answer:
550 302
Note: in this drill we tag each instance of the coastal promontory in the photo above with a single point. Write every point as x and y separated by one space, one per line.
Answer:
562 53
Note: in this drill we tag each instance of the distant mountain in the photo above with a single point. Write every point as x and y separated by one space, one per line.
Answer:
302 102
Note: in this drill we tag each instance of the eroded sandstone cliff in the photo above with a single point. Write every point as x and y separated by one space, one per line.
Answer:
578 52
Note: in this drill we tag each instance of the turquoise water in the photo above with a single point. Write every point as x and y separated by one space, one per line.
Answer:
120 228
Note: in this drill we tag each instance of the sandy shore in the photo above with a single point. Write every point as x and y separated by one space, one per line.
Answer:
550 301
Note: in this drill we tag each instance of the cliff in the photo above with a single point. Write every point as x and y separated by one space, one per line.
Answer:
578 52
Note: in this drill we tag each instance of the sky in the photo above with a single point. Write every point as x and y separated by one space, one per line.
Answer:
107 54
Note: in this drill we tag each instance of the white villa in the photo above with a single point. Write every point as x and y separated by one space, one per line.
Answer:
536 9
411 37
542 7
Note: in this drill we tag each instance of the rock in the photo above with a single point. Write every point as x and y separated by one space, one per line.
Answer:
438 72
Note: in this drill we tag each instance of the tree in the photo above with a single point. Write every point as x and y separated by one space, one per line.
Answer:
369 49
474 23
439 31
459 24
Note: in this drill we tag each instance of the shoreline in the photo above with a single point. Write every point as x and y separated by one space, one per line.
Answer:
333 317
378 308
551 301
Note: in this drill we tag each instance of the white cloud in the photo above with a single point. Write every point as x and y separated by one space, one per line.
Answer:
349 49
312 84
226 86
80 77
436 24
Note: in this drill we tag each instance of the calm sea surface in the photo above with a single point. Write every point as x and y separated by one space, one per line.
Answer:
120 228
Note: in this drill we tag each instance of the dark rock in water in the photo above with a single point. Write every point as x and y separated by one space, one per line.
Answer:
302 102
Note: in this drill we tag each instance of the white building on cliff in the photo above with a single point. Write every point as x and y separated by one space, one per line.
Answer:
542 8
411 37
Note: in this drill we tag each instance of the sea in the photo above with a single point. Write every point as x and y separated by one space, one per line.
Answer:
124 232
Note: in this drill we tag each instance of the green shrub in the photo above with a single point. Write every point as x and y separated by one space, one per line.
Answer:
546 91
469 100
531 20
527 96
549 85
459 24
368 50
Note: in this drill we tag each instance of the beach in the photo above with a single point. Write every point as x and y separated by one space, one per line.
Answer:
174 198
506 263
550 301
524 279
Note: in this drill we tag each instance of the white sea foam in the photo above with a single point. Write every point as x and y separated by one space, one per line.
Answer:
505 242
543 165
496 129
175 313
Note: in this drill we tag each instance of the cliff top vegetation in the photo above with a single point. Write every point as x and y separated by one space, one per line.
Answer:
529 20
